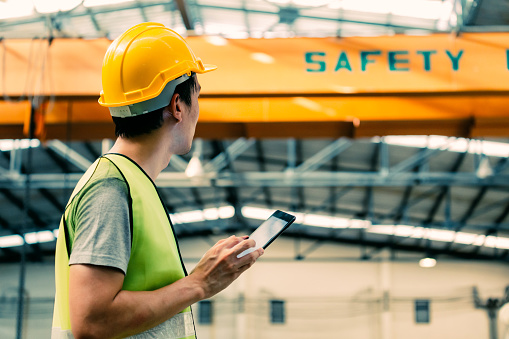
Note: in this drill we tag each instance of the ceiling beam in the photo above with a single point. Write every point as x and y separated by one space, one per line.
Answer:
381 23
224 158
69 154
260 160
419 158
279 179
323 156
178 163
232 194
186 15
444 190
59 206
20 204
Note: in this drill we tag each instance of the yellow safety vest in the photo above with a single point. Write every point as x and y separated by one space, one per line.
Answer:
155 257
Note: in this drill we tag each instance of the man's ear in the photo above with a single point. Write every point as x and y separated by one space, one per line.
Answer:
175 107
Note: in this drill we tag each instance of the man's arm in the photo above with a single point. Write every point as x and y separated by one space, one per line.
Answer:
99 308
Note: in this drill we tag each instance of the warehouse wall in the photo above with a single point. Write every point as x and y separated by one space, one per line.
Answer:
40 289
330 293
334 295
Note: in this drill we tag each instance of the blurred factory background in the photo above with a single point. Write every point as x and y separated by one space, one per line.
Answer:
382 124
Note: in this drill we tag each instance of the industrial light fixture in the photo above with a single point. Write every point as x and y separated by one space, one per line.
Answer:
195 167
451 144
428 262
13 144
484 170
404 231
208 214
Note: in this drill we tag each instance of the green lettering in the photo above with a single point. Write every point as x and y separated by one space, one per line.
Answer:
343 62
394 61
365 60
455 60
427 59
321 64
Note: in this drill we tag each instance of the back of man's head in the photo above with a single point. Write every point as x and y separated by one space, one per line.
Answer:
146 123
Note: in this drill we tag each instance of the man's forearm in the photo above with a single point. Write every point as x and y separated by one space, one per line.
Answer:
128 312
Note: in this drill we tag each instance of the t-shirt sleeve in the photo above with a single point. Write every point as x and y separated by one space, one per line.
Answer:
103 234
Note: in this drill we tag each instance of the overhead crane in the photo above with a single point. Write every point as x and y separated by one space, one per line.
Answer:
446 84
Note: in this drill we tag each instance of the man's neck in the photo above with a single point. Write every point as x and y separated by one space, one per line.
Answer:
148 152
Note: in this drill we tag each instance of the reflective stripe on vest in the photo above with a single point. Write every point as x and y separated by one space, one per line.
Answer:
179 327
155 258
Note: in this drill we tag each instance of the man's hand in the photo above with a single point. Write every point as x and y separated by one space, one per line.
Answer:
220 266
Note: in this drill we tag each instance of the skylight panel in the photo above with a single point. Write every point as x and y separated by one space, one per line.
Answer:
403 231
460 145
16 8
93 3
53 6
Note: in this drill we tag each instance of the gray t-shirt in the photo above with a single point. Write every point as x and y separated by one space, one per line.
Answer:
103 235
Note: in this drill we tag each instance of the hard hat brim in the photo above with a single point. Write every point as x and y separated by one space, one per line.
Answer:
208 68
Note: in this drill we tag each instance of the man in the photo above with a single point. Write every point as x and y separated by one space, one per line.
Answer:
119 272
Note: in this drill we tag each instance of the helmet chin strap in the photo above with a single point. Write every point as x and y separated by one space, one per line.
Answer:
150 105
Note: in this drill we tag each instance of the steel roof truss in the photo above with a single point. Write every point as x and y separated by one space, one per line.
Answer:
33 215
383 158
178 163
419 158
326 154
69 154
261 164
95 22
231 153
443 191
52 199
186 16
142 11
279 179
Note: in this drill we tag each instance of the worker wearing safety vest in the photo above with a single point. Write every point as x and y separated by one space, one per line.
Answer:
119 272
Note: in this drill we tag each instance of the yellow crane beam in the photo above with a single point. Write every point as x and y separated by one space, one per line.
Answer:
297 87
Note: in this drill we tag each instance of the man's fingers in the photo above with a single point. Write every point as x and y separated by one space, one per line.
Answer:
244 245
250 259
232 241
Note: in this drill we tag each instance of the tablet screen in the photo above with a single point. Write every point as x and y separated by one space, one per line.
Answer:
264 233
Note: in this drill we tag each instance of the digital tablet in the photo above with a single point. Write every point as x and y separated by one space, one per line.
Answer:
267 232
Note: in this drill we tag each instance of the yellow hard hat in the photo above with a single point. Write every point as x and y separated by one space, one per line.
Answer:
143 64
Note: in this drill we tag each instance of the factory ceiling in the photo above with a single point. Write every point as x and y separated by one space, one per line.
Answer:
435 195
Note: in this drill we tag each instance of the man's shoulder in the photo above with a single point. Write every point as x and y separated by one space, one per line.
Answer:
106 180
106 170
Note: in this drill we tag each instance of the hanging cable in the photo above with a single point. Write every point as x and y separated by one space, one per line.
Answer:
24 226
36 71
36 102
24 94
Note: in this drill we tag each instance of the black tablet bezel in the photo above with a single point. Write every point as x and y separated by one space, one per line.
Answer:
286 217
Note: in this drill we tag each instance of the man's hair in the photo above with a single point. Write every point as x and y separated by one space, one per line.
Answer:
144 124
